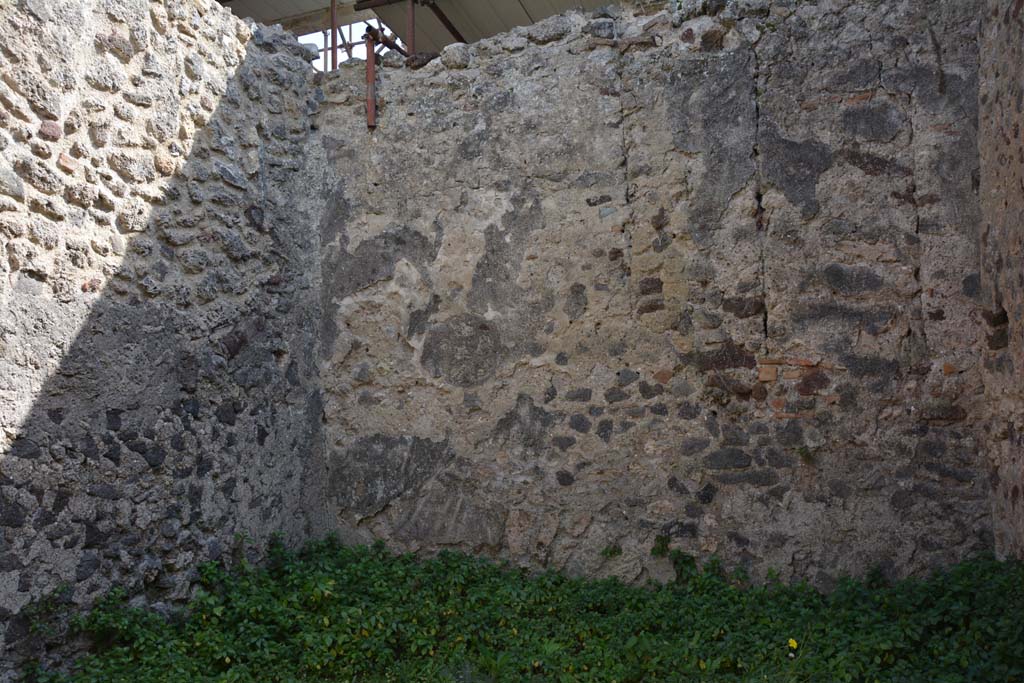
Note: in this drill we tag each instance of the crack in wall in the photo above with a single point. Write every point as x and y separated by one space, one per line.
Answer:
628 223
760 224
912 192
938 59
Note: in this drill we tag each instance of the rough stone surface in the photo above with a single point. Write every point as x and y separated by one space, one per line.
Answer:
717 274
1002 242
157 346
640 273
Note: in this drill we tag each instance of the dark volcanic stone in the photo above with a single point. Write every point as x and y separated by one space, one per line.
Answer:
564 443
580 423
707 494
25 448
12 513
578 395
727 458
693 445
615 394
87 566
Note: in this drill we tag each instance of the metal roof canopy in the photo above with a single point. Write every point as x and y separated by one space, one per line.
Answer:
473 19
298 16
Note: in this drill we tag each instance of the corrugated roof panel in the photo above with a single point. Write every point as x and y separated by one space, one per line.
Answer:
537 9
260 10
297 7
472 25
431 35
507 13
276 11
541 9
495 16
475 19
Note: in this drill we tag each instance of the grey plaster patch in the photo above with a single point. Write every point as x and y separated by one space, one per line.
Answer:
376 469
712 113
794 167
465 350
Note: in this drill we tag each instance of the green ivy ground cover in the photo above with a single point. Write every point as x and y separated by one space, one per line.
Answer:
334 613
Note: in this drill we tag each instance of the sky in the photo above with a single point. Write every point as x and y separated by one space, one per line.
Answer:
357 31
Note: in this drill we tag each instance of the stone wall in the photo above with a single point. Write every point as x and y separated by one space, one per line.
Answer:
706 276
157 308
1002 178
703 275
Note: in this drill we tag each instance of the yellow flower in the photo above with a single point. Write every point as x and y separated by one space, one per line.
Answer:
793 644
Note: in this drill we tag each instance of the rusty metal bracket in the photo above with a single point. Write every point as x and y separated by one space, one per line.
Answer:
381 38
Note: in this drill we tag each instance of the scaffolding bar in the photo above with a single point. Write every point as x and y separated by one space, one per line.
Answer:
334 34
371 83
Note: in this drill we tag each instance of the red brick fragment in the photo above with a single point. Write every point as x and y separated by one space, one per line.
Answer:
66 163
663 376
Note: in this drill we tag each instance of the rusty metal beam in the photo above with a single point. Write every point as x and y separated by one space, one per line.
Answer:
370 4
371 83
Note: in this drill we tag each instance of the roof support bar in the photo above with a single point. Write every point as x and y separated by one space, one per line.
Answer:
370 4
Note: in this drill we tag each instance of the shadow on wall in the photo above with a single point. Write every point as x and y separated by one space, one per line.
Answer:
157 333
1002 174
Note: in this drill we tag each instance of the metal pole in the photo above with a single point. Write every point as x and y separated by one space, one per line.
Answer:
411 28
371 84
334 34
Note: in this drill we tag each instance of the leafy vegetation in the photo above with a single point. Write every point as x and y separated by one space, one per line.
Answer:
333 613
